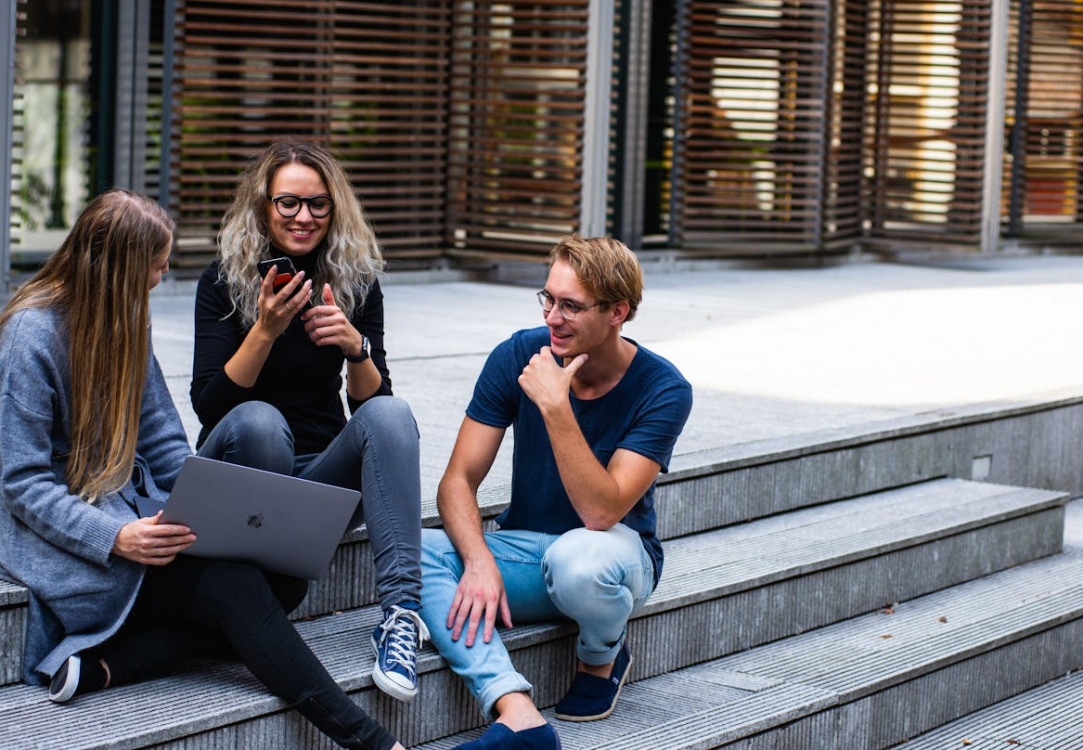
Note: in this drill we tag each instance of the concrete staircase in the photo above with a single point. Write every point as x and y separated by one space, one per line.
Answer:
852 591
1049 717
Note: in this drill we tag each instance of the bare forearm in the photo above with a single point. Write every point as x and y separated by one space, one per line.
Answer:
461 519
592 490
244 367
362 379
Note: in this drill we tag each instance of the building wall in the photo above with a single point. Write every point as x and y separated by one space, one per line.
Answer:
477 131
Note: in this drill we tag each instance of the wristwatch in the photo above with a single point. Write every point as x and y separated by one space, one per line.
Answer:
364 352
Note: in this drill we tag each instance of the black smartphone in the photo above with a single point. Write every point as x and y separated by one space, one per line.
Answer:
285 272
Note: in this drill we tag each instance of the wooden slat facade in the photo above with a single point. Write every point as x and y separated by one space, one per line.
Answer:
369 80
814 125
926 141
809 126
1045 120
19 186
752 81
516 114
847 110
805 126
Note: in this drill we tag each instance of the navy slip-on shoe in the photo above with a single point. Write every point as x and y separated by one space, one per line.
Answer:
500 737
591 698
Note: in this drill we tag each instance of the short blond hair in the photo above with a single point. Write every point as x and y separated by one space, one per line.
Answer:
605 267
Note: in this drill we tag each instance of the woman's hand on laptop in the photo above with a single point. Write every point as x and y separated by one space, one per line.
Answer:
149 542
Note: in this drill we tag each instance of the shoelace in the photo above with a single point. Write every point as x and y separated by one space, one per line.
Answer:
405 632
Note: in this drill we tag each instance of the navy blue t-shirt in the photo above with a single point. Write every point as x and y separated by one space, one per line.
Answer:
643 413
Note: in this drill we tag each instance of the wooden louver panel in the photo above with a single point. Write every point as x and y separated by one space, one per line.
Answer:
1046 139
366 79
517 105
752 92
926 144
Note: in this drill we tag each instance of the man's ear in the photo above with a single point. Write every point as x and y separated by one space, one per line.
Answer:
618 312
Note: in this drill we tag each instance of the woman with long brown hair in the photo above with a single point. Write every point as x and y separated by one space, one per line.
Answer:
89 426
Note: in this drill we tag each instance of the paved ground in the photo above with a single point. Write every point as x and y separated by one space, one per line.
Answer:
771 354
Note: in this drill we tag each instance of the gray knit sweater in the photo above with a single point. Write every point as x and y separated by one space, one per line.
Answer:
52 542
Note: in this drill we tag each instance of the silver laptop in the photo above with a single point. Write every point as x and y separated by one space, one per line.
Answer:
281 523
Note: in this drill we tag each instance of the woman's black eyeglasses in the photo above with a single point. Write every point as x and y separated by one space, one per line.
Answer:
289 205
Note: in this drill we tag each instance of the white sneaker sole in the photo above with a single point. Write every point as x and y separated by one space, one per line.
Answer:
71 681
387 683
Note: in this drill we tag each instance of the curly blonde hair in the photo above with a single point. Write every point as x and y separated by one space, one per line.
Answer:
349 259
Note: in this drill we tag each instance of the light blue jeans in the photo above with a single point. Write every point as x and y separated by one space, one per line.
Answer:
376 452
598 579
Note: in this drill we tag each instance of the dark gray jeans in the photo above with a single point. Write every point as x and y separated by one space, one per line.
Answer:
195 607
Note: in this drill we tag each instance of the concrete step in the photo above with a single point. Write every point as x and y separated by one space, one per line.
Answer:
875 680
731 589
13 607
1020 445
1049 717
715 488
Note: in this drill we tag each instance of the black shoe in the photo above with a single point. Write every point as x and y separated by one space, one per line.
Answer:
591 698
500 737
65 683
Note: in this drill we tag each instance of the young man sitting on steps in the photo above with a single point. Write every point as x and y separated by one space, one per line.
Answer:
595 419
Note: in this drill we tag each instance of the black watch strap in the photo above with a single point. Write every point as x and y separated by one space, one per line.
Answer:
364 352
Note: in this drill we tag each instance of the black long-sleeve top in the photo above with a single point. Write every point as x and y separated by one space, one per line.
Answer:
302 380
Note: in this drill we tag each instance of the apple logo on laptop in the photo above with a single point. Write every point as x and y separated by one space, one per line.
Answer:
255 521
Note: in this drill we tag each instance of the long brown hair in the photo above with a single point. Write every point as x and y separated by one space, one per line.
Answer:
98 282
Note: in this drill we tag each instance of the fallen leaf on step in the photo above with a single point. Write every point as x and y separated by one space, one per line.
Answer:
1014 742
886 636
943 619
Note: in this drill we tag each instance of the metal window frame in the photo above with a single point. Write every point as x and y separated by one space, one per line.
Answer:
594 192
996 114
7 124
130 124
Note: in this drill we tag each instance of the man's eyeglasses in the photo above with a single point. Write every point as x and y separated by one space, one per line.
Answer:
567 308
289 205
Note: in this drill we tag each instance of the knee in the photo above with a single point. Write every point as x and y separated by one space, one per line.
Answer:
288 590
574 561
235 591
258 436
583 561
389 417
258 419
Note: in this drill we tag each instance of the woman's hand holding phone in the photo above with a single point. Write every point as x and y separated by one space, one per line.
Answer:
278 304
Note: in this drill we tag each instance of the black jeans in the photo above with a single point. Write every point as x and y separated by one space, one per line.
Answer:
197 607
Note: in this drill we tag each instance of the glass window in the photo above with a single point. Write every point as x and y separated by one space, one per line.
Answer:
50 175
